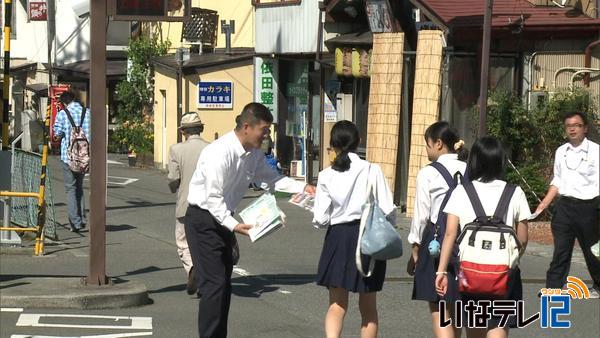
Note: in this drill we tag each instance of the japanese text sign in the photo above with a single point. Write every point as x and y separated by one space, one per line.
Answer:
215 95
38 11
265 83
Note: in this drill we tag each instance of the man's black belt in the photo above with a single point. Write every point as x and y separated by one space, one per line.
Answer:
580 201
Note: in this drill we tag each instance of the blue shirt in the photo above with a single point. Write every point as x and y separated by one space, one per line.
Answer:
62 127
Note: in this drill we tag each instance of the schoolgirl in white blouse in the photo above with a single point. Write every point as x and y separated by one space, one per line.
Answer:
485 167
443 146
341 194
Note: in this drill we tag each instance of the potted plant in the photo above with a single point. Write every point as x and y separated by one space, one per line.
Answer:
136 135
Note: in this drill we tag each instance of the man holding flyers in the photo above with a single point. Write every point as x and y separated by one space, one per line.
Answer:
224 171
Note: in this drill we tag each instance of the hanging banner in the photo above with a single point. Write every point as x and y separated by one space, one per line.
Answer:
266 72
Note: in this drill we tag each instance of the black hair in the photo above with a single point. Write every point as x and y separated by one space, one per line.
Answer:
443 131
487 160
193 130
67 97
253 113
344 138
576 113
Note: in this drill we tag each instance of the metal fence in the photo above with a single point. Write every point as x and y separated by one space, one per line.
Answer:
27 167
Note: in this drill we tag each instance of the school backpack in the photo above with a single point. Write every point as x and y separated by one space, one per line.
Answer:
78 150
440 225
488 248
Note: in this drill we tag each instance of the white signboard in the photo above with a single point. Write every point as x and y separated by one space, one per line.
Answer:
329 109
266 72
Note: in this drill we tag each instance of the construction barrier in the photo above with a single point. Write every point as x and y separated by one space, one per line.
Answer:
26 179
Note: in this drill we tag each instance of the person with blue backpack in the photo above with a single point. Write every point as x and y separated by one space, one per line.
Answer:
435 182
487 220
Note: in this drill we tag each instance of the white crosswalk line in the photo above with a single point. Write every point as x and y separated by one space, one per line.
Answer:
137 323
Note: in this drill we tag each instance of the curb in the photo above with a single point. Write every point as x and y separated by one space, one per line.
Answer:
70 293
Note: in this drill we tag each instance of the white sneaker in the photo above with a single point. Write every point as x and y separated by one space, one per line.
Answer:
594 294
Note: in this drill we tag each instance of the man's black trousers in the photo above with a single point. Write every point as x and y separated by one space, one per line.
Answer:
211 249
573 219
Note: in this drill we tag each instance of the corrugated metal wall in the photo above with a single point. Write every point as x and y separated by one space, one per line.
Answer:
546 64
287 29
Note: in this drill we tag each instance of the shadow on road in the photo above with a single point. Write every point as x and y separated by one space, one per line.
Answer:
255 286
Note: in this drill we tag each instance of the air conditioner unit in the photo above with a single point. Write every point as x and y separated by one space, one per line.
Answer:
537 98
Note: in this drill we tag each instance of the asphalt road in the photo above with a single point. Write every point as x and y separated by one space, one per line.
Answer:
274 292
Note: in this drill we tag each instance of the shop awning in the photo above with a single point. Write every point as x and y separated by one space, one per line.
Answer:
40 89
18 65
198 61
358 39
114 69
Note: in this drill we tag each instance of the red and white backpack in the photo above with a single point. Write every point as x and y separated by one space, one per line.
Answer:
488 248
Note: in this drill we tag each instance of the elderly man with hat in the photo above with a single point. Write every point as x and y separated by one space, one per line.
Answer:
183 158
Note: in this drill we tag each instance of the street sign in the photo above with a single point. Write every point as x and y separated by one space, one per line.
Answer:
38 11
149 10
215 95
380 16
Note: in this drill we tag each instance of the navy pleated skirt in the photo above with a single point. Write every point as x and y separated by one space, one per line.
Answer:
337 265
424 283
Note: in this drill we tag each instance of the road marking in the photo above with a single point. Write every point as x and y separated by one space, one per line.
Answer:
114 335
11 309
117 180
241 272
114 162
137 323
245 273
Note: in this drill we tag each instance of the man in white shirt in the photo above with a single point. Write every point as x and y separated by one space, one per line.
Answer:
224 171
576 181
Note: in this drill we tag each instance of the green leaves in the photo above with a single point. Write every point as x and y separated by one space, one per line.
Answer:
135 95
532 136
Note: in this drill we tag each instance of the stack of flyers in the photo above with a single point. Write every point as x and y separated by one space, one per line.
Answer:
303 200
264 214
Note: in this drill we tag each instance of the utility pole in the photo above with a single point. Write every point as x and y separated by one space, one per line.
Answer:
97 273
51 22
485 68
6 84
181 55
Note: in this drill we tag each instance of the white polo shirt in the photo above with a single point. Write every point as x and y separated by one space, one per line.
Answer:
577 170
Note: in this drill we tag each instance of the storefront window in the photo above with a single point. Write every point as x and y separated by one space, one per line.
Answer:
292 147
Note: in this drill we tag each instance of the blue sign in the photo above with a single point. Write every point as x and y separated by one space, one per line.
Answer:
215 95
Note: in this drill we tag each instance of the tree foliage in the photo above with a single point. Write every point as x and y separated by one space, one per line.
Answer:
135 95
532 136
